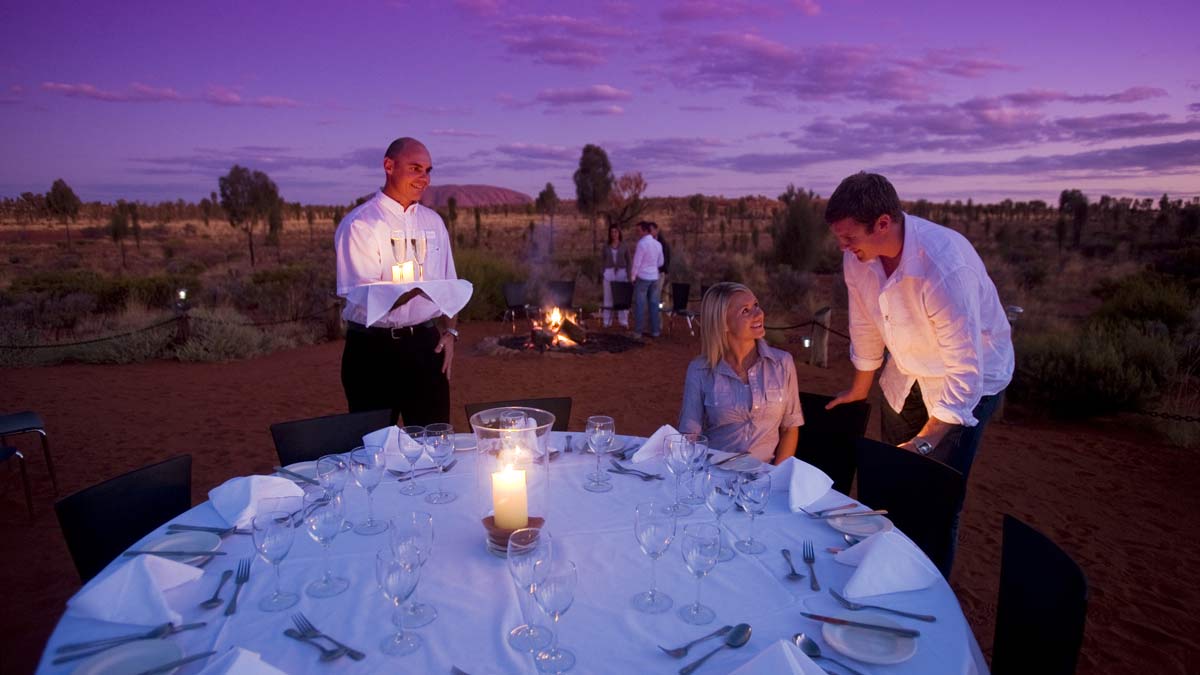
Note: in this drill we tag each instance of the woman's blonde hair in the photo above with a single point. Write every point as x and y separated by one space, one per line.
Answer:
714 310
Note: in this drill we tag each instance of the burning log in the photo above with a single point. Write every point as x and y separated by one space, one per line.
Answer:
573 331
541 339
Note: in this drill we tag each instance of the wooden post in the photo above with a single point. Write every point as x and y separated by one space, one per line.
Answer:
820 346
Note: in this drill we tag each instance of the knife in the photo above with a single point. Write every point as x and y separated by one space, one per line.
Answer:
190 554
176 663
222 531
730 458
852 514
295 476
902 632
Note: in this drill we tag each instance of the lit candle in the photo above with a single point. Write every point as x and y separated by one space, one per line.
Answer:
509 499
403 273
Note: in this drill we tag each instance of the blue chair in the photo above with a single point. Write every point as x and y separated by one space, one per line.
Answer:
28 422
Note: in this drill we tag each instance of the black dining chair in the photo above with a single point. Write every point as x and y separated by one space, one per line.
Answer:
922 496
7 453
309 439
679 306
101 521
514 301
559 406
1042 605
560 294
622 296
29 422
828 437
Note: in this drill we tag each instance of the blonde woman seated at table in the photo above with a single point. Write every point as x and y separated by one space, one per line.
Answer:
740 393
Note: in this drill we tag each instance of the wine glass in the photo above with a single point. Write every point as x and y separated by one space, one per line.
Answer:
679 462
367 464
555 595
273 536
413 530
323 517
720 492
654 527
397 575
400 246
419 247
530 552
698 452
699 545
600 430
332 472
411 440
439 444
753 491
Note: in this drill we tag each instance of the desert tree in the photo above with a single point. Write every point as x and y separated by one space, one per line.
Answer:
593 183
246 197
206 210
547 204
135 223
310 214
625 203
797 230
1074 204
696 205
118 227
451 214
63 203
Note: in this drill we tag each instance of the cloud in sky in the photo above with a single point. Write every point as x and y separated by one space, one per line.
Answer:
702 10
1157 157
459 133
561 39
137 92
809 7
596 93
540 152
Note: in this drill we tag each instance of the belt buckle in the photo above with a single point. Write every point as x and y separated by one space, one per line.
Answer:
397 337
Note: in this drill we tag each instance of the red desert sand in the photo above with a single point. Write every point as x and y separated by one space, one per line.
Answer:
1121 503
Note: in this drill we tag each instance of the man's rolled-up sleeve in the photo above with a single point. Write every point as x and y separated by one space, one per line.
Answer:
953 310
691 415
866 344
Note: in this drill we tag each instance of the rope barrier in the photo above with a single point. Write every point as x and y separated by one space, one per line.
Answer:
57 345
1168 416
809 323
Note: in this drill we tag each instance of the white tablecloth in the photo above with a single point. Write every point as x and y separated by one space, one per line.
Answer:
477 602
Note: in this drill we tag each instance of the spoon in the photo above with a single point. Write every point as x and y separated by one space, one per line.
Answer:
737 637
793 575
215 600
680 652
326 654
851 540
813 650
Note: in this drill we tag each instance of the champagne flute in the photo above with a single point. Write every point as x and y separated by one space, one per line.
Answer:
413 530
698 452
699 545
600 431
273 536
720 492
332 472
530 552
400 249
679 462
411 440
554 595
397 576
752 494
367 463
419 247
654 527
439 443
323 518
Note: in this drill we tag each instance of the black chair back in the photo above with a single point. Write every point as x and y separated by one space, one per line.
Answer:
827 437
307 440
679 296
1042 605
622 295
560 407
922 496
559 293
102 521
514 295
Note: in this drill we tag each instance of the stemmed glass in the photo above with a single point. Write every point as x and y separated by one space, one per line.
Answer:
367 463
413 530
752 494
654 527
700 545
720 491
323 518
273 536
679 462
555 595
419 246
411 440
397 573
530 552
699 455
400 249
600 431
332 472
439 443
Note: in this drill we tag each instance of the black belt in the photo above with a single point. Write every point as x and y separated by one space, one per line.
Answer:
394 333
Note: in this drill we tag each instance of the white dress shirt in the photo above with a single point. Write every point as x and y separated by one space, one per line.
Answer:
363 247
647 258
940 319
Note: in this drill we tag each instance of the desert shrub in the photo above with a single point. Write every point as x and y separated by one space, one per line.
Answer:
287 292
173 247
222 335
787 289
1099 369
1182 264
159 291
488 273
1145 299
745 269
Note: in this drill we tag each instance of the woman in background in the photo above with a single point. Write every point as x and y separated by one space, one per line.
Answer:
614 262
740 393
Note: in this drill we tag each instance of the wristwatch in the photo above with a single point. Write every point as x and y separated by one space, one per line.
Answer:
453 332
923 446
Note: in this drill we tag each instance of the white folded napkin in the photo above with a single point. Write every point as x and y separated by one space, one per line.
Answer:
239 661
653 447
447 295
781 658
236 500
888 562
133 593
804 482
390 438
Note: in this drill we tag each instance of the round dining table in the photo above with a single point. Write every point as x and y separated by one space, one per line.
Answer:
477 601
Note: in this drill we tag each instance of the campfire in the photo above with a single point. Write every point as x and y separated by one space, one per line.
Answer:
556 328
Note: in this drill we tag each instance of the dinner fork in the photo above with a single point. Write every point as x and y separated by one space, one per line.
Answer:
810 557
243 575
644 475
307 629
326 654
680 652
855 606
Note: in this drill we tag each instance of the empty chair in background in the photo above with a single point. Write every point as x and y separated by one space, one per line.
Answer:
308 439
28 422
514 301
679 307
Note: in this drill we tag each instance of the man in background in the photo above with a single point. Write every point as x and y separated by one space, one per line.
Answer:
643 271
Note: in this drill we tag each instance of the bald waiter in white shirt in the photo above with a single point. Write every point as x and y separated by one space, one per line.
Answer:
403 361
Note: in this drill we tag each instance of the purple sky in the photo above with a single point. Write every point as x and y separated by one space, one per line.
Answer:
950 99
